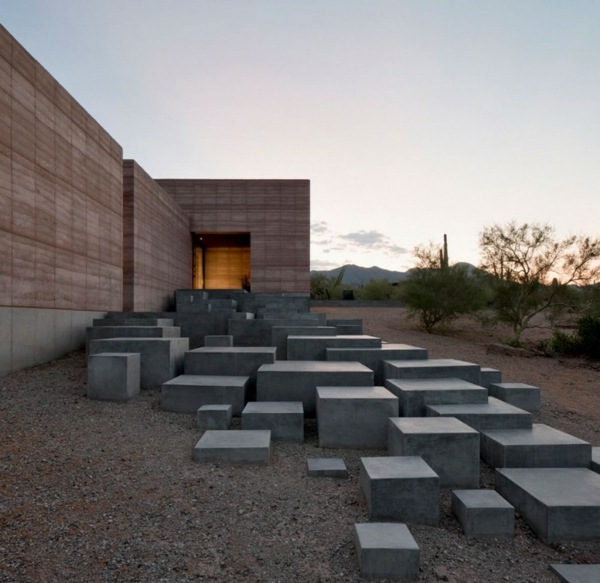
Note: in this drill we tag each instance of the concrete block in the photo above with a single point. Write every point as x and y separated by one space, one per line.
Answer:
483 513
577 573
448 446
142 321
387 550
313 347
437 368
214 417
489 376
539 447
416 394
326 467
113 377
401 489
97 332
187 393
559 504
236 447
298 380
285 420
520 395
259 332
347 325
279 335
218 340
596 459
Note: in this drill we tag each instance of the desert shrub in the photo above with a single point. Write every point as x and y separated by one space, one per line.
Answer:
378 289
585 341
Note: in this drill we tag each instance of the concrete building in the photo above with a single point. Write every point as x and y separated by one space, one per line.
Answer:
83 232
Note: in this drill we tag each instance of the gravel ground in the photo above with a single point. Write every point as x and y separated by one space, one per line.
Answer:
93 491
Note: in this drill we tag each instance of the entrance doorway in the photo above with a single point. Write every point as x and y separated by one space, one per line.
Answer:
221 261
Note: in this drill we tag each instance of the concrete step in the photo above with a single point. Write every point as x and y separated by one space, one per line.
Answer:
258 332
97 332
494 414
279 336
432 369
347 325
115 321
483 513
577 573
518 394
284 419
314 347
596 459
416 394
236 447
489 376
539 447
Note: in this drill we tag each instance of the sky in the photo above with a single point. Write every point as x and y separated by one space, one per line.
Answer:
412 119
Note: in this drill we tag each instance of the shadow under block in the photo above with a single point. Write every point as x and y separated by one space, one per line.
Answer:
447 445
386 550
400 489
577 573
539 447
214 417
520 395
187 393
313 347
279 336
596 459
483 513
334 467
285 420
236 447
113 376
354 417
416 394
161 359
495 414
432 369
559 504
298 380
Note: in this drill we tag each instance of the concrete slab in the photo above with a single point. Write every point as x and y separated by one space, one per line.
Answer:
596 459
259 332
113 376
347 325
577 573
520 395
489 376
298 380
558 504
416 394
334 467
284 419
214 417
539 447
354 417
313 347
400 488
279 335
116 321
495 414
484 513
187 393
387 550
432 369
449 446
218 340
237 447
95 332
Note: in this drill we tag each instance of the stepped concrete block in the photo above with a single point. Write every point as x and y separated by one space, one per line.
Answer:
520 395
494 414
400 488
258 332
596 459
97 332
448 446
386 550
236 447
133 322
113 376
313 347
489 376
214 417
285 420
197 326
483 513
432 369
187 393
374 357
220 340
279 336
161 358
334 467
298 380
347 325
416 394
355 417
189 296
559 504
539 447
577 573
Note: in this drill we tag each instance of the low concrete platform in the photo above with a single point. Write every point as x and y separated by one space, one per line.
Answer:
387 550
97 332
520 395
228 360
495 414
437 368
141 321
558 504
489 376
354 417
596 459
284 419
347 325
400 488
259 332
236 447
334 467
298 380
187 393
214 417
448 446
313 347
113 376
279 336
220 340
416 394
539 447
483 513
577 573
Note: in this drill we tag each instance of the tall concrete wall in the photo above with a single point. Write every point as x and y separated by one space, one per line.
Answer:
276 213
157 243
61 237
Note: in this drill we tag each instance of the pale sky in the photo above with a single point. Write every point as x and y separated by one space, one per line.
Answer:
410 118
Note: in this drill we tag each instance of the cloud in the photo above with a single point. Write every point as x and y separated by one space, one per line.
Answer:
373 240
320 227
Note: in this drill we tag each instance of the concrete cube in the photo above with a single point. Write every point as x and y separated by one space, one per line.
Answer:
432 368
326 467
520 395
218 340
577 573
284 419
489 376
113 376
236 447
483 513
214 417
596 459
